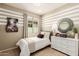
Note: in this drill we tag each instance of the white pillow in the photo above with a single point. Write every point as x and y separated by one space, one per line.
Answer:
46 34
43 33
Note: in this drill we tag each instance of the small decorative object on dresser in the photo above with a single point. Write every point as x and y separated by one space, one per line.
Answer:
76 33
51 34
76 36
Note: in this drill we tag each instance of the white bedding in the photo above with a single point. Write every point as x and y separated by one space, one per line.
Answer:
38 42
35 44
24 47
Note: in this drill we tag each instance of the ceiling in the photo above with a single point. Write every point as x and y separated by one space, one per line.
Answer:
38 8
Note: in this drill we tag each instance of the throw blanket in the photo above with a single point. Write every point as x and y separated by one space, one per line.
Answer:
24 47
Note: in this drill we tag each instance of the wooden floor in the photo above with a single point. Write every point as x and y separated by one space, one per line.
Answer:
48 52
43 52
14 52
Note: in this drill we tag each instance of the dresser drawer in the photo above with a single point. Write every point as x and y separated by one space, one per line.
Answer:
72 53
72 42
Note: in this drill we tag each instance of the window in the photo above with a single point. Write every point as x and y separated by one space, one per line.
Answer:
32 26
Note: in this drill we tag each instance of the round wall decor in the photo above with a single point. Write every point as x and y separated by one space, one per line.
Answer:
65 25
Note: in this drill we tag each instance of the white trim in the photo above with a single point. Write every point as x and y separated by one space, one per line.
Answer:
8 49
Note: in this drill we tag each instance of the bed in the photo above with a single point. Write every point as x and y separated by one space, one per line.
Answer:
35 43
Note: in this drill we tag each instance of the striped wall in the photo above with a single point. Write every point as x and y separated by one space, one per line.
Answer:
9 40
4 13
51 19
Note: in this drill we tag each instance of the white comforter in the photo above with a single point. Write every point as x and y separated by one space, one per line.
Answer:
36 43
33 43
24 47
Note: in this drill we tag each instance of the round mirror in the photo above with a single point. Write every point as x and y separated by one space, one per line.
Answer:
65 25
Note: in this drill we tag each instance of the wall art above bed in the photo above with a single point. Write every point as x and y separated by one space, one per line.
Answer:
11 25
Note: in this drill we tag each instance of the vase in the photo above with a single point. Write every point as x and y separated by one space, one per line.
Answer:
76 36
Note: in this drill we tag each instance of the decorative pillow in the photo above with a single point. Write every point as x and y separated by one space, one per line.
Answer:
57 34
63 35
40 36
46 35
51 34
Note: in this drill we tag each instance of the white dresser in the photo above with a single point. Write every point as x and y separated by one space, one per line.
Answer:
68 46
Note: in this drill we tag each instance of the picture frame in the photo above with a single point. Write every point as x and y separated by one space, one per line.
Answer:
11 25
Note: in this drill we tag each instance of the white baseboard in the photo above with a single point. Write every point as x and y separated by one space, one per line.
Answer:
8 49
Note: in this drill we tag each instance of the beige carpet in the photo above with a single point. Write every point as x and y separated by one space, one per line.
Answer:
48 52
43 52
14 52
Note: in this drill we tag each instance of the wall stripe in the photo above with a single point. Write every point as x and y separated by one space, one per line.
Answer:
51 19
4 13
60 12
19 25
9 14
10 11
